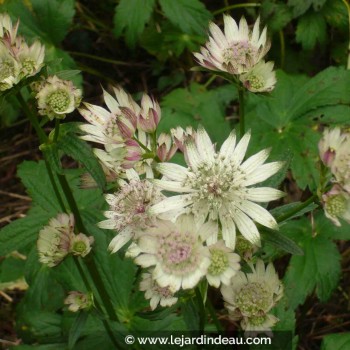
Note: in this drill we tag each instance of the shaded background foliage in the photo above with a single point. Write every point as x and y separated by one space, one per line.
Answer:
147 45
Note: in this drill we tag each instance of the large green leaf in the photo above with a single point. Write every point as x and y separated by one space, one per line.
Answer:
189 15
301 6
337 341
132 16
319 268
196 105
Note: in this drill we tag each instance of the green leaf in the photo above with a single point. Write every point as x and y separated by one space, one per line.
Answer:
76 328
279 212
280 241
82 152
340 341
132 16
198 106
189 15
311 29
51 155
275 15
35 179
301 6
318 268
336 14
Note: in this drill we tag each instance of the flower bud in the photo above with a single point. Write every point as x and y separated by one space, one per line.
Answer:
150 114
78 301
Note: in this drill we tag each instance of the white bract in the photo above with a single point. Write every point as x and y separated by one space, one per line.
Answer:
217 186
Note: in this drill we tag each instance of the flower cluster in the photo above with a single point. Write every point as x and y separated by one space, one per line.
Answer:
239 51
18 60
56 97
250 297
57 240
127 132
334 149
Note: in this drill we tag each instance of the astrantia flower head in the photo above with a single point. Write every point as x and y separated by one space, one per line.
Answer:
217 186
330 143
337 205
224 264
8 31
150 114
165 147
78 301
180 136
236 50
54 240
81 244
9 70
261 78
31 59
177 252
129 209
157 295
253 294
57 97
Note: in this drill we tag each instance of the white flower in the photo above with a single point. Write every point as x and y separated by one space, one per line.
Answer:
57 97
78 301
217 186
9 69
31 59
177 252
157 295
108 126
253 294
260 78
150 114
330 143
7 31
55 239
224 264
165 147
81 244
128 210
236 50
337 205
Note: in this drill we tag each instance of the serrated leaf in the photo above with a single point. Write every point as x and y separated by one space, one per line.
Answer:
50 152
275 15
35 179
311 29
22 232
280 241
76 328
132 16
337 341
82 152
301 6
318 269
189 15
279 212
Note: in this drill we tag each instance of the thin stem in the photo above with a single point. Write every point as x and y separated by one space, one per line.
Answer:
209 81
142 145
213 316
297 209
78 264
283 47
241 109
232 7
201 309
32 118
348 8
57 130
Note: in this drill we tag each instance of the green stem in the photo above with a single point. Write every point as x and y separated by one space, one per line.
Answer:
202 314
210 80
57 130
297 209
78 264
283 47
232 7
32 118
241 109
142 145
213 316
348 8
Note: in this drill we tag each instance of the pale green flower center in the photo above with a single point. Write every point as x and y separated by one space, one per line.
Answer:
79 247
255 81
253 298
59 100
243 246
7 69
28 66
218 262
177 253
336 205
257 320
